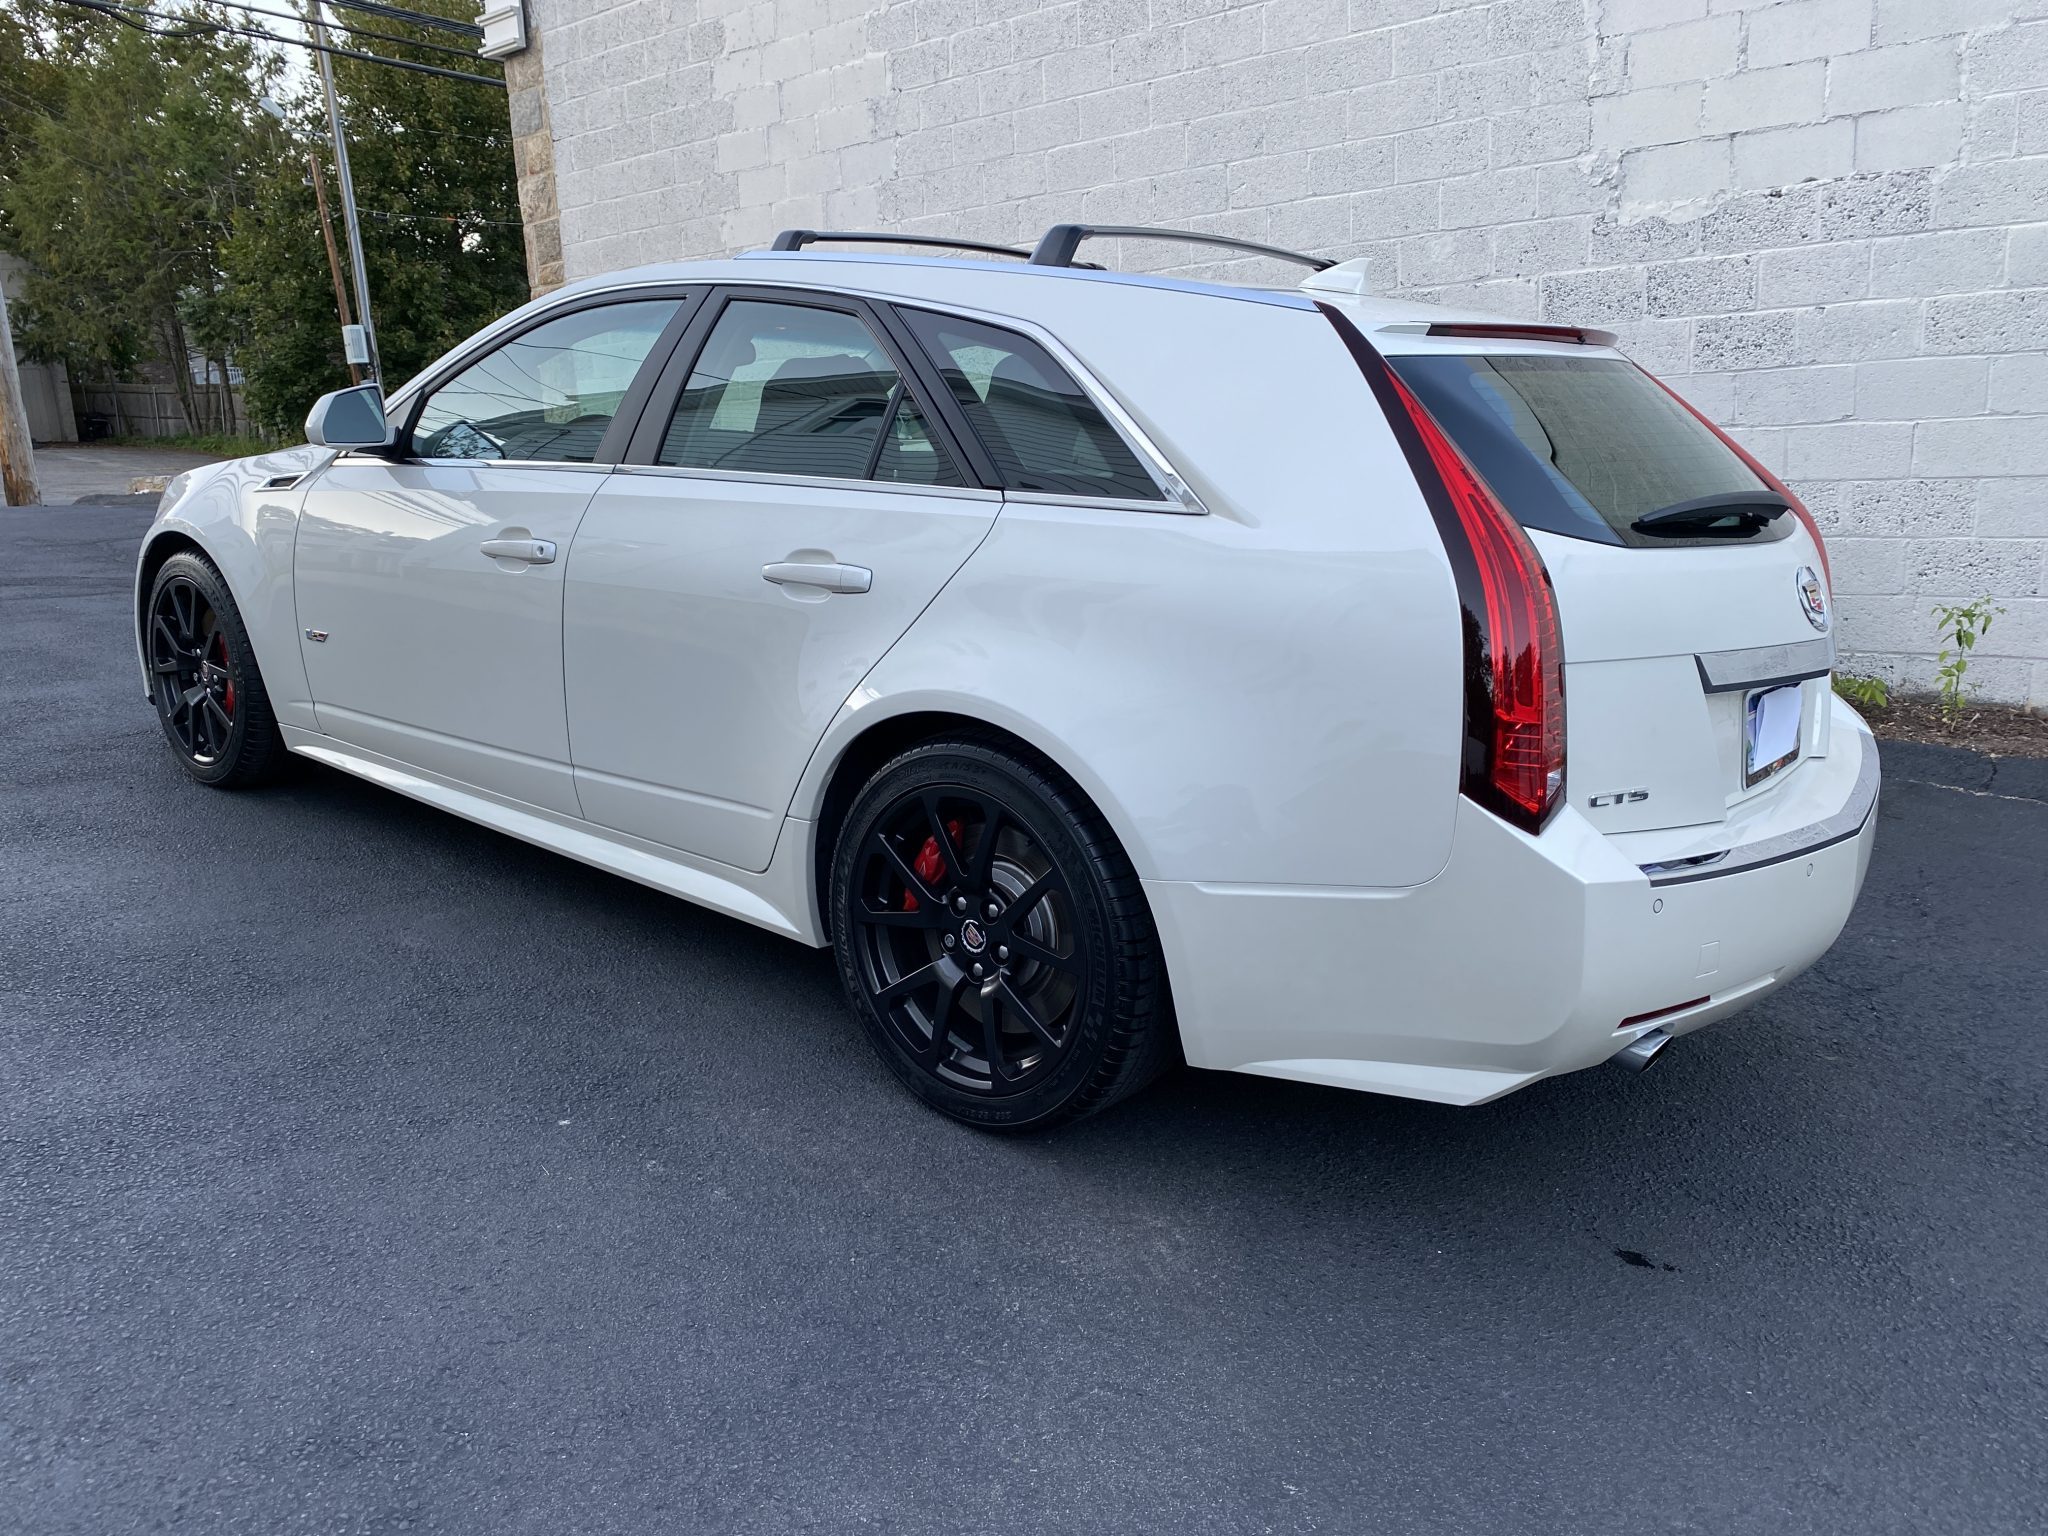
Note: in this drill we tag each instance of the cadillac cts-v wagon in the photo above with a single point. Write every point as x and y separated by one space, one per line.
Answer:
1108 668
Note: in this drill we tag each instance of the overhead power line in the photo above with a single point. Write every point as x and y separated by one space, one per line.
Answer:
349 27
467 29
439 218
125 15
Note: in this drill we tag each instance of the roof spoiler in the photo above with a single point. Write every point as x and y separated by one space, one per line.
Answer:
1502 330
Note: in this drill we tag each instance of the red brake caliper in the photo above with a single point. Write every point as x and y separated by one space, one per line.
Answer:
930 863
227 699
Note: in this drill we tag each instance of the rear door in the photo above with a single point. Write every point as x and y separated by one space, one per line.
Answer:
790 504
429 588
1695 615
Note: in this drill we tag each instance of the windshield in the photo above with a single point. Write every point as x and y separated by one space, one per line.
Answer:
1584 446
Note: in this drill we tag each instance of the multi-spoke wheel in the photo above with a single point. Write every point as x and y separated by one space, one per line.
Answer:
203 677
994 940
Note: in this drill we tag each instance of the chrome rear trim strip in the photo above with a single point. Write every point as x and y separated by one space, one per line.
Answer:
1765 666
1840 827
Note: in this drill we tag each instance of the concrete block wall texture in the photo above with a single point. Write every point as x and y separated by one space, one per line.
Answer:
1826 221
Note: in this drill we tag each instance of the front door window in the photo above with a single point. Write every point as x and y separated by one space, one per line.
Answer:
547 395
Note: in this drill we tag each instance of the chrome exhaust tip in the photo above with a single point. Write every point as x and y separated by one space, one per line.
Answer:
1637 1055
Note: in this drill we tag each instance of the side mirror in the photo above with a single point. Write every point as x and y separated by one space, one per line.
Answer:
349 418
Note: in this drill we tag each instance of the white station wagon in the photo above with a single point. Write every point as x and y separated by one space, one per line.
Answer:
1107 667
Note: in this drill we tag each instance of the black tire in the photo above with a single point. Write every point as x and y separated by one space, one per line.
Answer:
203 679
1069 1012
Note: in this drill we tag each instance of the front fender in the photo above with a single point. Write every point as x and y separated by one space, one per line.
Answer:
243 516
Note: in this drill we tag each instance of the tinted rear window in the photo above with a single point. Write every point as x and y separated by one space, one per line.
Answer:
1040 428
1578 446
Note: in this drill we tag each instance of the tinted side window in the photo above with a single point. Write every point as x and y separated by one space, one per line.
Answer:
548 393
787 389
1037 424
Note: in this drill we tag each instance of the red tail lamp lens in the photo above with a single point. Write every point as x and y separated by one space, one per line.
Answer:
1519 660
1798 507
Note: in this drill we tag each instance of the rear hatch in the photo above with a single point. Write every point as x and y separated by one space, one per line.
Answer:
1690 594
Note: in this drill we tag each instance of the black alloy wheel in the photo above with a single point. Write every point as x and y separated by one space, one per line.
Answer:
203 678
994 940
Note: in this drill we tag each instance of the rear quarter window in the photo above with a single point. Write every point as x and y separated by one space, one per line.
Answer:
1040 428
1580 446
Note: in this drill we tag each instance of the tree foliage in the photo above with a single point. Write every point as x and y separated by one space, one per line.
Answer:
162 212
432 160
126 158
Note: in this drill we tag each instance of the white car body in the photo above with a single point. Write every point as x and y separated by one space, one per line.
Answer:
1258 682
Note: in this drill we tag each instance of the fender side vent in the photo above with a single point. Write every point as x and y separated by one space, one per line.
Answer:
282 482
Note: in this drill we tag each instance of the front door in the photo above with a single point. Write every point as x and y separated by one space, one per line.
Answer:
724 600
429 589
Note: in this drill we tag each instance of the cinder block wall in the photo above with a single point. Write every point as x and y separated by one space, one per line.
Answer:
1827 220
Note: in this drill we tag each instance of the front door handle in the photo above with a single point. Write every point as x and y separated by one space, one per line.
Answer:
826 576
532 551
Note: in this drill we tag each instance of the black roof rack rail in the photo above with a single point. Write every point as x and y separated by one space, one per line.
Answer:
1057 247
797 239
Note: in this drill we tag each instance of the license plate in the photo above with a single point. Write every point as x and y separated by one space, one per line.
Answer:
1770 731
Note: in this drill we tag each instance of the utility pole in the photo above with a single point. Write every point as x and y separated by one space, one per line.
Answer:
355 370
17 453
348 185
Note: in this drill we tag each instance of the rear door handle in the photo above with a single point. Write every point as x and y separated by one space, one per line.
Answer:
532 551
825 576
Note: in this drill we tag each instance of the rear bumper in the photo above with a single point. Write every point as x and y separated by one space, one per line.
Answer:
1522 958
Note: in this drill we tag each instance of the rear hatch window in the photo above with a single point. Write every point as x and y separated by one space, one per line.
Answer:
1592 447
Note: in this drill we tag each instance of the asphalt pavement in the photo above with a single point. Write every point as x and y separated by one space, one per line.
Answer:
102 472
362 1170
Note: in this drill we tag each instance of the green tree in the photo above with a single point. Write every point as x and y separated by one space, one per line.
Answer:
161 212
435 184
27 70
124 157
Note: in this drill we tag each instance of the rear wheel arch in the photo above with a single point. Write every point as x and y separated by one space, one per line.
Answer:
878 743
1013 981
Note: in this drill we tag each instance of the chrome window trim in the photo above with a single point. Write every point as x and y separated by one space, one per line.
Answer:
1178 497
377 458
577 464
830 482
1104 503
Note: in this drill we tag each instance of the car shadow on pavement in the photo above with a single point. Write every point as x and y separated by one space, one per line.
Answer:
1488 1182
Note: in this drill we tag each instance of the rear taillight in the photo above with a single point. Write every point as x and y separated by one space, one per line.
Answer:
1514 652
1521 651
1798 507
